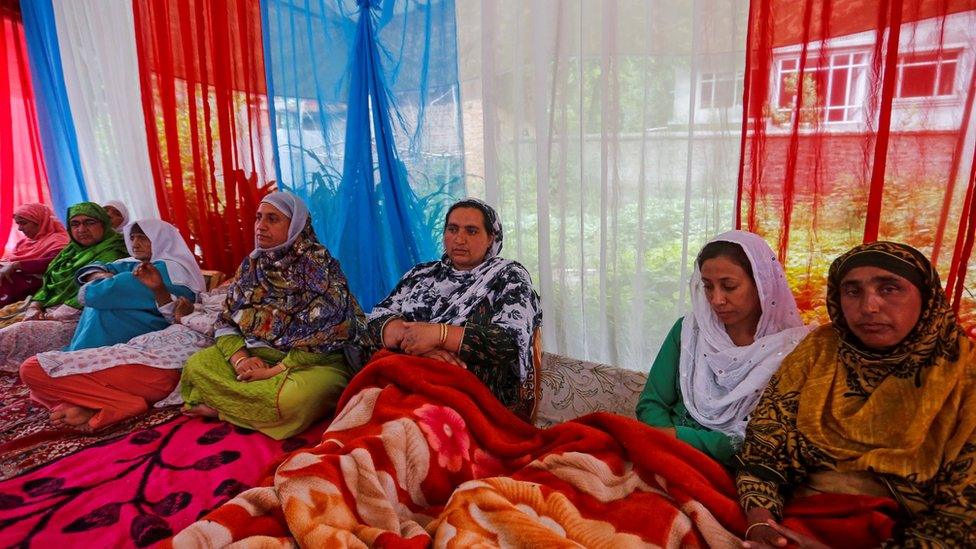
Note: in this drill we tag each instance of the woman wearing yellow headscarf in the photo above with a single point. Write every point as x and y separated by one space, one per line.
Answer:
878 406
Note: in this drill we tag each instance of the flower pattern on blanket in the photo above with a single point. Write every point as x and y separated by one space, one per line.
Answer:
446 434
421 454
509 513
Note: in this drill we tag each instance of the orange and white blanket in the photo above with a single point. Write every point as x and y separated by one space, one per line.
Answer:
422 455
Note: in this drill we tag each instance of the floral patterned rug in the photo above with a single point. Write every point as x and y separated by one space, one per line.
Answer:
131 485
140 489
29 440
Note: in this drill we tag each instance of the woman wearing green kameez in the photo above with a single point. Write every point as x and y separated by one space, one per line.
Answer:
278 363
716 361
52 315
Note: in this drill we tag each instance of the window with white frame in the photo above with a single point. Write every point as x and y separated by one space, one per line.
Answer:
927 74
832 92
720 90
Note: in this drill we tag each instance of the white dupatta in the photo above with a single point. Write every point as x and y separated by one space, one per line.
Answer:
721 382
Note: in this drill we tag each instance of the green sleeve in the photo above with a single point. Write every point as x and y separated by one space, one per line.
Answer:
229 344
660 403
660 394
296 358
718 445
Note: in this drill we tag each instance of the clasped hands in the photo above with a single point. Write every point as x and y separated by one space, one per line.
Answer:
252 368
419 339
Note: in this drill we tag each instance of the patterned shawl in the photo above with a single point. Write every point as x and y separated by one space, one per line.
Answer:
292 297
720 381
59 286
50 238
904 410
437 292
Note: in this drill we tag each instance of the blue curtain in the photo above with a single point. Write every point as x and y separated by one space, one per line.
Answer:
57 129
366 109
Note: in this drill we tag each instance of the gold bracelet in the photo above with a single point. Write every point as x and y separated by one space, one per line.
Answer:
238 361
443 334
753 525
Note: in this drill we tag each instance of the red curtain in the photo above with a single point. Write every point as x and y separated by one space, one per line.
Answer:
23 178
201 67
859 126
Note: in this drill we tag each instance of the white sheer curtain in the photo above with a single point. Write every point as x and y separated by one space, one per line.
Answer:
608 135
101 74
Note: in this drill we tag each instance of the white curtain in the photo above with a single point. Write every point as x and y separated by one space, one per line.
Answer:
101 74
607 133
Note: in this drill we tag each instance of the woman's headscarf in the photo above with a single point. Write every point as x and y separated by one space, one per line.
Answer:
58 286
905 410
491 219
295 209
50 238
169 247
935 335
437 292
122 210
292 296
721 382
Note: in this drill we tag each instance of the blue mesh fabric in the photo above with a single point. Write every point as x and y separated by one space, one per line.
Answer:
366 108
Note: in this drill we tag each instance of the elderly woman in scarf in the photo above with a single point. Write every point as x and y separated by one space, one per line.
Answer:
278 363
125 299
21 270
52 315
878 407
471 308
117 213
716 361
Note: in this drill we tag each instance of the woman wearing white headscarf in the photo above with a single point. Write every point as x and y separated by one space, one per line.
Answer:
118 300
122 300
716 361
118 213
279 363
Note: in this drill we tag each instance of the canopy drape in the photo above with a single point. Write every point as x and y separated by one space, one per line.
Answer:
367 112
201 71
23 177
860 128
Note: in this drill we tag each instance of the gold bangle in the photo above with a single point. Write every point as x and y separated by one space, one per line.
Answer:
753 525
443 334
242 359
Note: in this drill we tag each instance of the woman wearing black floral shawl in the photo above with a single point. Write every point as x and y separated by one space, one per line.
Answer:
471 308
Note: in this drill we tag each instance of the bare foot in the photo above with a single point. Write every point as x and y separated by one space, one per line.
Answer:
201 410
75 417
57 415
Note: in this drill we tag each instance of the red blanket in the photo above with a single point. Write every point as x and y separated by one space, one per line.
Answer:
422 453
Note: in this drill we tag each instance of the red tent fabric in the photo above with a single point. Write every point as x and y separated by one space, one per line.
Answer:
859 126
23 177
201 68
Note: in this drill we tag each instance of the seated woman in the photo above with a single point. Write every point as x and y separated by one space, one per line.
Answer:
278 363
471 308
90 389
122 299
118 213
52 315
21 269
716 361
880 404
